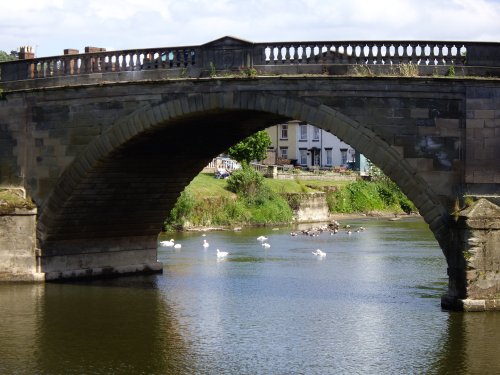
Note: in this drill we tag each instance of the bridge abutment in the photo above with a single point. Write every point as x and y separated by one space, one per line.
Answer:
99 257
18 253
474 259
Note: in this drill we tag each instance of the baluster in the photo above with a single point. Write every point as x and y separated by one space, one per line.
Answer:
366 54
383 54
374 50
317 53
308 51
292 51
299 51
435 55
193 57
409 53
446 55
123 65
353 54
178 58
462 55
283 53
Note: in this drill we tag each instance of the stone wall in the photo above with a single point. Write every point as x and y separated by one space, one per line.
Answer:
18 257
312 207
474 258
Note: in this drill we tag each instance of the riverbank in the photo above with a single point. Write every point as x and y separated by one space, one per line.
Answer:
209 204
340 218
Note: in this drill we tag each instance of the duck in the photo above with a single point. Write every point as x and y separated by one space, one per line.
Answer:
261 238
205 244
266 245
167 243
319 253
221 254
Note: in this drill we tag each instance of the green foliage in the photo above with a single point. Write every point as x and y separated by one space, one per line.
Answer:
451 71
248 72
251 148
245 181
248 198
407 70
363 196
213 71
181 210
255 203
4 56
362 71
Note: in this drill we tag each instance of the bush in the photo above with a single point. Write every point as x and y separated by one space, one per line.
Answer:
245 181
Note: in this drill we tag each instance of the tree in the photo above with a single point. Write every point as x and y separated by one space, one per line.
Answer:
4 56
251 148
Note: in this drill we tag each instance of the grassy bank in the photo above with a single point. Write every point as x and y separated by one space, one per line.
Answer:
208 202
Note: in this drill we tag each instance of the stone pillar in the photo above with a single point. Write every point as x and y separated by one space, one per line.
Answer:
18 253
474 259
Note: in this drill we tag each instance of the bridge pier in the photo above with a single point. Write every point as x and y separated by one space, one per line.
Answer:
99 257
474 259
18 260
22 260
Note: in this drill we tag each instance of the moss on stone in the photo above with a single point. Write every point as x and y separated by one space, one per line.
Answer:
12 199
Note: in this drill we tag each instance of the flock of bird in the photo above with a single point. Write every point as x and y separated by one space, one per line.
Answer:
332 228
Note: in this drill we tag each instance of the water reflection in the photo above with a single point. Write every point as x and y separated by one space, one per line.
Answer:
111 326
470 345
372 305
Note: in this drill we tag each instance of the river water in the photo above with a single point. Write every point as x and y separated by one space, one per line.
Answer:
370 306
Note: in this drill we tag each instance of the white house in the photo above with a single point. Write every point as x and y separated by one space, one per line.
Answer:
306 145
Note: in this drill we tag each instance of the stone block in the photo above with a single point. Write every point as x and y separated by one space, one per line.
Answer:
478 124
419 113
484 114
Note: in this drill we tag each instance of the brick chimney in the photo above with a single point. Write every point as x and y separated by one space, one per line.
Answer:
26 52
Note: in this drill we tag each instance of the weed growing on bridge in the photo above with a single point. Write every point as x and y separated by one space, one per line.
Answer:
213 71
248 72
362 71
10 199
407 70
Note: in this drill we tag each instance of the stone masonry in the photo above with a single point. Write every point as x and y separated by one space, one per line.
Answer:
104 157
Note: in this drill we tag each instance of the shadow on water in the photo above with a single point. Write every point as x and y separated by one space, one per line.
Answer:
102 327
470 345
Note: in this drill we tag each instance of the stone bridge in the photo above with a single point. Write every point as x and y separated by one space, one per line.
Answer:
104 142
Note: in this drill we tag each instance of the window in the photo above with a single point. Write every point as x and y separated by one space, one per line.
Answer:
315 133
303 156
284 152
343 156
284 131
328 153
303 132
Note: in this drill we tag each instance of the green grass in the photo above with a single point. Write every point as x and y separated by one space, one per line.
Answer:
205 185
206 201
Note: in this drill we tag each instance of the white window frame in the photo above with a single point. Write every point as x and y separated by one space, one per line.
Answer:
315 133
303 132
284 152
303 156
328 157
284 131
343 156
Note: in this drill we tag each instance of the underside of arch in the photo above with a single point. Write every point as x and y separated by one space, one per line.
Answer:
119 190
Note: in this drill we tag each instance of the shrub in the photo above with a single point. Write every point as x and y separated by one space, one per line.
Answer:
245 181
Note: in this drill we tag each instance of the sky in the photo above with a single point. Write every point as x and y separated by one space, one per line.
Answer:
50 26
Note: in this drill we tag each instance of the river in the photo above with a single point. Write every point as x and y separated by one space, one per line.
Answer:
370 306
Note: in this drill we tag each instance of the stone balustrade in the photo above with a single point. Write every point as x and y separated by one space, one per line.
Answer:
231 54
361 52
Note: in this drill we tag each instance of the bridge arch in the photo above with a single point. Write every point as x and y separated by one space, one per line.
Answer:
67 214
